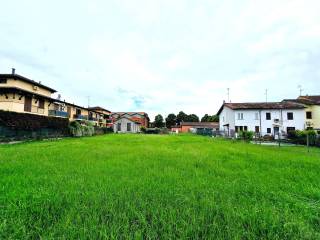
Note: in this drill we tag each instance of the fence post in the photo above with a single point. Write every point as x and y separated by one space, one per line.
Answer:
308 143
279 140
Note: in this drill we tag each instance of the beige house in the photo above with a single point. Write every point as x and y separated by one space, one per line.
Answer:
21 94
100 115
312 110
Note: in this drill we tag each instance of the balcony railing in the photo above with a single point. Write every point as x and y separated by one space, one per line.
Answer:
56 113
93 119
80 117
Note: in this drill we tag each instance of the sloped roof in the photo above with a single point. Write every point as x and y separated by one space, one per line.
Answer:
263 105
24 79
130 113
312 100
131 120
98 108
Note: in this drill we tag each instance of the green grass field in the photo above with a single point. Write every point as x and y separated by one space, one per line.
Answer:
159 187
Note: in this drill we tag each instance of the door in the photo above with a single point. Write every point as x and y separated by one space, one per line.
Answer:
276 132
27 104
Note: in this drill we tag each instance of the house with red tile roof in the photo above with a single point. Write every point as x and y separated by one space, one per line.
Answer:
272 118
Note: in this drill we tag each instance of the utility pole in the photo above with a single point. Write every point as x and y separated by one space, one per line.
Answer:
266 93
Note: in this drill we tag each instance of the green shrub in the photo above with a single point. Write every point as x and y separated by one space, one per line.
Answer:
152 130
85 128
246 135
300 137
143 129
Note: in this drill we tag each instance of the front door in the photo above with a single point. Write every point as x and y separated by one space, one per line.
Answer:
27 104
276 132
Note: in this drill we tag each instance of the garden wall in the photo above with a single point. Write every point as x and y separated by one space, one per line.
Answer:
23 126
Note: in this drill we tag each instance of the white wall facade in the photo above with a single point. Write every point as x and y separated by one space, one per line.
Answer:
255 119
226 120
123 123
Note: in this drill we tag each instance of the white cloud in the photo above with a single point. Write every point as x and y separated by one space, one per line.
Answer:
165 55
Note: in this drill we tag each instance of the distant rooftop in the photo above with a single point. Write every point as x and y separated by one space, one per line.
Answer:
97 108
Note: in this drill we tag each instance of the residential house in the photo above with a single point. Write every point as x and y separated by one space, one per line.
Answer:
270 118
312 110
126 125
23 95
185 127
140 117
102 116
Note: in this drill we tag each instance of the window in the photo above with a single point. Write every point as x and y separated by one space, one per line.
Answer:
256 129
241 128
268 130
3 80
290 115
240 116
41 103
119 127
245 128
309 115
256 116
78 111
128 127
237 129
268 116
290 129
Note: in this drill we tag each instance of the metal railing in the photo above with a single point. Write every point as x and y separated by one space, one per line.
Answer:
57 113
80 117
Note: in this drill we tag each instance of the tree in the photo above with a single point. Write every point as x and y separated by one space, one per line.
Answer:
205 118
182 117
208 118
171 120
158 121
192 118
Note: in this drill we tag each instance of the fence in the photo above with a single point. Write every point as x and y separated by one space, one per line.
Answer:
22 126
308 138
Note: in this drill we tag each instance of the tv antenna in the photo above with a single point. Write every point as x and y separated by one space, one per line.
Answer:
300 90
228 92
266 93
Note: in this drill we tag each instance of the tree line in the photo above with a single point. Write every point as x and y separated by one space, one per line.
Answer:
174 120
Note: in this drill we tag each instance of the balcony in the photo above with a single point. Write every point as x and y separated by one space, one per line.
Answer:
57 113
93 119
80 117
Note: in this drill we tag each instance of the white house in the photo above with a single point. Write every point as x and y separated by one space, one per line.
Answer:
126 125
264 118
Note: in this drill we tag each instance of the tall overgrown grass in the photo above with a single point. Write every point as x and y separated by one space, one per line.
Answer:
158 187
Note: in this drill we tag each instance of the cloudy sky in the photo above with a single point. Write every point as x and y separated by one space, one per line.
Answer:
163 56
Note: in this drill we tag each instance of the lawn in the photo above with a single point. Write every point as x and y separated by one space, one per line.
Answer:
159 187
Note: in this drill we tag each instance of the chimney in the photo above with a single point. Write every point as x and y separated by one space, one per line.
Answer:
13 71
